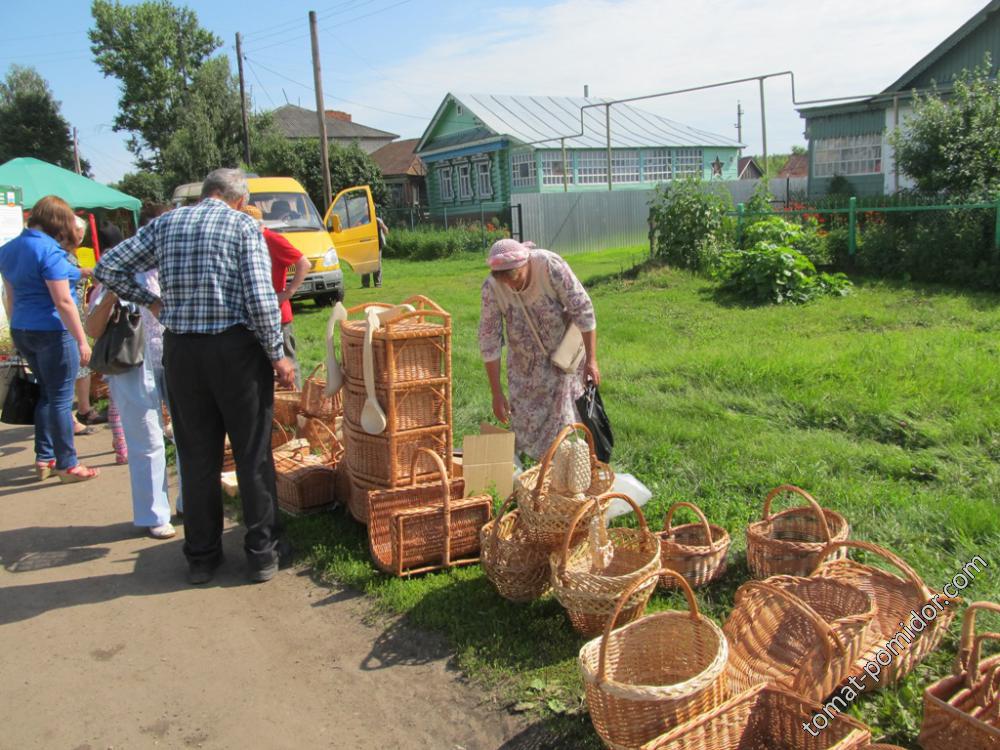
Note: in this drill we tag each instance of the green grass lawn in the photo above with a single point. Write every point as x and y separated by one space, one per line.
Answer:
885 405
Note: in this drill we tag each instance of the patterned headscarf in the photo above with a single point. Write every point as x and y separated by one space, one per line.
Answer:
508 254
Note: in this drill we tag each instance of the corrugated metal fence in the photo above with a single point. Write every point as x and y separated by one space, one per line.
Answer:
584 222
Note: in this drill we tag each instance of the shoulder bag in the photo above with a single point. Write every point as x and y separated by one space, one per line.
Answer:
570 352
122 345
21 398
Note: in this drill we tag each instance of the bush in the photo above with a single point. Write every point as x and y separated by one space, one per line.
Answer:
774 230
772 273
692 229
428 243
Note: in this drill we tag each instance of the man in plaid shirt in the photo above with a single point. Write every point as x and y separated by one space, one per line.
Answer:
222 347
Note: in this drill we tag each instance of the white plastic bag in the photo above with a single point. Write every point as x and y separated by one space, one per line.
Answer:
627 485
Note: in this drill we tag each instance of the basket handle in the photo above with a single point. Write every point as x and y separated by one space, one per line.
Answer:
446 498
972 672
421 302
495 531
543 469
314 371
966 643
284 433
620 604
809 498
697 511
334 445
882 552
419 314
822 626
601 502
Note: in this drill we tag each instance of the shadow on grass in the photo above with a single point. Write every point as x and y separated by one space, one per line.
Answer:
979 299
625 274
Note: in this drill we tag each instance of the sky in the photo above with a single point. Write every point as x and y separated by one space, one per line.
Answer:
391 62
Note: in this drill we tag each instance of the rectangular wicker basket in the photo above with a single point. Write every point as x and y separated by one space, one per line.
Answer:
384 460
407 407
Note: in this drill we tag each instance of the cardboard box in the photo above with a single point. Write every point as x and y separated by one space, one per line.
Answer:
488 461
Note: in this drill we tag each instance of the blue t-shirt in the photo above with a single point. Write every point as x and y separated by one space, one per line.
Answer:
27 262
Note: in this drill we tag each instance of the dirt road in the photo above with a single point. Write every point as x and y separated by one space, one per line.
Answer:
104 644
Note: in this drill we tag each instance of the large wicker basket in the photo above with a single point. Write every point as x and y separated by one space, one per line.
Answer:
385 460
305 481
589 579
764 718
896 598
286 406
407 407
789 542
315 403
414 347
655 673
426 527
545 513
518 569
962 712
801 634
695 550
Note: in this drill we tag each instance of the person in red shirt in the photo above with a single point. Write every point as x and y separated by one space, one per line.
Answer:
283 254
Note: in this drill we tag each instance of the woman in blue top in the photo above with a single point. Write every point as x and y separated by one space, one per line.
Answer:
46 329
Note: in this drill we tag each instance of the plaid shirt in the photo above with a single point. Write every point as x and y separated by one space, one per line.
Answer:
215 272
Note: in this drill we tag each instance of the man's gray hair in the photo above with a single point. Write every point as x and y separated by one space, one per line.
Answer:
228 184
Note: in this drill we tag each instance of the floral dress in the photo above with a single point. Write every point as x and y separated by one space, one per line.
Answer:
542 397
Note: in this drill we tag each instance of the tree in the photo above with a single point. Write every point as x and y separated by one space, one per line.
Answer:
30 121
146 186
155 50
951 143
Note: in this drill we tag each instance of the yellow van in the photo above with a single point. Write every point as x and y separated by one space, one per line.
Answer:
347 232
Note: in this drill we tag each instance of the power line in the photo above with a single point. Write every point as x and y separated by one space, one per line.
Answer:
338 24
279 28
257 78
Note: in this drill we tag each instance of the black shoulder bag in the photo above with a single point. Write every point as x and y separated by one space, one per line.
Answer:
122 345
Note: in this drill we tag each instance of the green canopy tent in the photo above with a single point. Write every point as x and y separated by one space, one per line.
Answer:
38 178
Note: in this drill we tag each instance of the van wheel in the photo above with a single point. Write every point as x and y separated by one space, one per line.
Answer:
328 300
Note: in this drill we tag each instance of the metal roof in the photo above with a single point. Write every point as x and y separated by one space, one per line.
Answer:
298 122
543 120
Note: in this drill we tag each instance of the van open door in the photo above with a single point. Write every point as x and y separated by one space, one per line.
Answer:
350 220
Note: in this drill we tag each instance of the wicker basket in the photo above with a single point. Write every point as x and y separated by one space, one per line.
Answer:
411 407
384 460
357 499
764 718
426 527
695 550
414 347
98 387
962 712
314 401
896 598
789 542
545 513
654 673
589 580
286 406
518 569
306 481
800 634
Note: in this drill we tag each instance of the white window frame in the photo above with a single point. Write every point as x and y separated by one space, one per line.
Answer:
592 167
520 159
688 162
847 155
657 165
552 167
447 185
465 181
624 167
484 178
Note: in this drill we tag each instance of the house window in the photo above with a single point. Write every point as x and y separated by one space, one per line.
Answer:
447 188
687 162
484 179
522 168
848 155
552 168
464 181
624 166
656 165
592 167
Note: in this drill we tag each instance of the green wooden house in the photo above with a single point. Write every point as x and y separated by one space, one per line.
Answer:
482 150
852 139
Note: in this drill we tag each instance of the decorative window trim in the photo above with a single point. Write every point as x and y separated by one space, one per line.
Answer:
526 177
446 184
484 187
465 181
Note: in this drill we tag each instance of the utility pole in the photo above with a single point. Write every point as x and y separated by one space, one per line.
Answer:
243 100
739 121
763 125
76 153
324 148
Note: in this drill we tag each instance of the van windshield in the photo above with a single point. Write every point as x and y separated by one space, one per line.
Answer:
287 212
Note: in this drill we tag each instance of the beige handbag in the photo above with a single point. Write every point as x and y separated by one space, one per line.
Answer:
570 352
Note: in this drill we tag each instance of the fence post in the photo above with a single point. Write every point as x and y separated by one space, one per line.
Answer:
412 226
740 208
445 217
852 226
482 223
996 240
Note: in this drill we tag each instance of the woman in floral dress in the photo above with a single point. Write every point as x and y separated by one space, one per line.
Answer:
525 281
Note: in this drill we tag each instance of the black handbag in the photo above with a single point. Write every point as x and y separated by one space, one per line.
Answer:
21 399
592 414
122 345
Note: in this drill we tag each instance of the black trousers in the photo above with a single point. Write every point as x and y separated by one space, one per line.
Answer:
222 384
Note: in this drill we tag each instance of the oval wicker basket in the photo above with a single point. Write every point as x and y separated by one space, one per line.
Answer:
315 403
660 671
896 598
800 634
789 542
962 711
546 514
695 550
518 569
286 406
305 481
588 583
